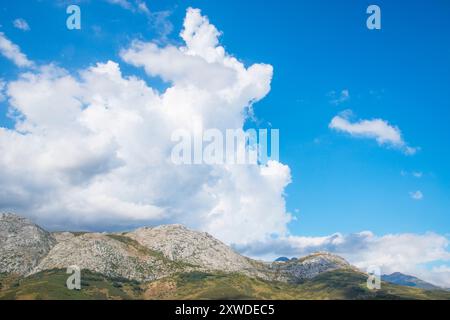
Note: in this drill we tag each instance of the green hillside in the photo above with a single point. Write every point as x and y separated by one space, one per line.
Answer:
343 284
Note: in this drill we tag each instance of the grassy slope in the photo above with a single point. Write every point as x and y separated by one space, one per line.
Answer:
332 285
51 285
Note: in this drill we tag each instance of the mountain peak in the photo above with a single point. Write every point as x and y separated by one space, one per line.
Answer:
310 266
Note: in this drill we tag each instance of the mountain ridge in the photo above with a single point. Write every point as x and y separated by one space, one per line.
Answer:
408 280
161 258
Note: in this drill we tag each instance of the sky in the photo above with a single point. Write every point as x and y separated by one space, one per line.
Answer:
86 115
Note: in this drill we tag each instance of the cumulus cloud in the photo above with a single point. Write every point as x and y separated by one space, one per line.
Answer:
12 52
93 148
406 253
416 195
378 129
21 24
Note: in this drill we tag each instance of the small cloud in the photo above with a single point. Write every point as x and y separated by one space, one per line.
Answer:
339 98
417 174
158 20
2 90
123 3
21 24
142 7
12 52
378 129
416 195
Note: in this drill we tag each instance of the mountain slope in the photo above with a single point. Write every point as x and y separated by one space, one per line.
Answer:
336 285
22 244
178 243
308 267
111 255
409 281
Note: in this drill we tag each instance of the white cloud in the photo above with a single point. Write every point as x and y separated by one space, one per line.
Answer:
417 174
416 195
21 24
378 129
339 98
159 20
12 52
406 253
2 90
142 7
123 3
93 148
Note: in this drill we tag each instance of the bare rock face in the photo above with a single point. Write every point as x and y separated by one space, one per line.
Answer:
309 266
22 244
178 243
112 255
145 254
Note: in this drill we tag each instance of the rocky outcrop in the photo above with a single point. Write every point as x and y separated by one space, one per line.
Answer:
178 243
113 255
22 244
308 267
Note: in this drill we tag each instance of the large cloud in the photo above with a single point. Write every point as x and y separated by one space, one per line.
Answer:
93 148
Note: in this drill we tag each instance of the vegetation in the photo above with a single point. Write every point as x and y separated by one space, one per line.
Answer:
343 284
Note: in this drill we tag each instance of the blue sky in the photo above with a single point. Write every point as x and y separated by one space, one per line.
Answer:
321 51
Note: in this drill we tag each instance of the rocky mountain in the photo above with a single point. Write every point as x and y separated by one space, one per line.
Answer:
145 254
22 244
409 281
308 267
180 244
170 262
113 255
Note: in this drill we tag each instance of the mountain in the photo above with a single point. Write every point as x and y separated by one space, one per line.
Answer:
180 244
409 281
282 259
169 262
22 244
309 267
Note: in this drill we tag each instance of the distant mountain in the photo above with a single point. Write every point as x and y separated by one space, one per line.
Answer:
169 262
282 259
409 281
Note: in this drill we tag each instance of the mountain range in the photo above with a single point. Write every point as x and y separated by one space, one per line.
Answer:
171 262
